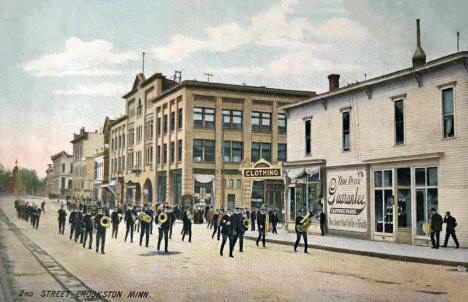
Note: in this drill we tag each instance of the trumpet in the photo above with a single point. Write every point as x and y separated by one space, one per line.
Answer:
105 221
247 224
145 217
162 217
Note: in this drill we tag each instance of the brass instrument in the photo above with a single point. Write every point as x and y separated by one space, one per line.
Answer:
162 217
145 217
267 224
247 224
105 221
119 215
305 223
133 218
307 216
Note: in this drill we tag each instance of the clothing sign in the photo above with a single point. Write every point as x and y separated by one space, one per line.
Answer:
347 200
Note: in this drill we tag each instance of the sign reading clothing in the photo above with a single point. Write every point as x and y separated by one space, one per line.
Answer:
262 170
347 200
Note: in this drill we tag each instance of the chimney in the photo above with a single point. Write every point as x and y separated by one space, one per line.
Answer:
419 57
334 82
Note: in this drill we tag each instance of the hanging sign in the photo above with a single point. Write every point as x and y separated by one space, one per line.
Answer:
262 170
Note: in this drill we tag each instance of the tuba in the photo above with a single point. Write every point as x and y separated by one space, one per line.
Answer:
105 221
145 217
305 224
247 224
162 217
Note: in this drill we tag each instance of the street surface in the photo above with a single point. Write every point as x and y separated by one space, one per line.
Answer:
33 262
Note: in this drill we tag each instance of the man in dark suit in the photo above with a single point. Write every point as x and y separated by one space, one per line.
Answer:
253 219
436 227
88 229
236 223
274 221
300 233
261 223
100 231
145 226
226 230
130 217
163 231
322 219
172 219
215 223
72 221
187 227
115 218
450 230
62 217
78 224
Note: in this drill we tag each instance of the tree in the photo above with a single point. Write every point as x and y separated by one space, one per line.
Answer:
30 181
5 176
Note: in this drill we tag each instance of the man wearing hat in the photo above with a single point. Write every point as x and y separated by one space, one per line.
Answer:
145 226
436 227
226 230
115 218
164 231
88 229
261 220
450 230
100 231
130 217
62 217
215 223
299 233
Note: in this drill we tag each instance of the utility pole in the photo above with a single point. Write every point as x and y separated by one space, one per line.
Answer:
458 41
143 63
208 75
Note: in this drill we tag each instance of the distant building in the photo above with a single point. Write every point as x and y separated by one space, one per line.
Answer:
59 176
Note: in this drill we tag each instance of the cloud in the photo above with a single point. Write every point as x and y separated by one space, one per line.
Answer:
88 58
99 90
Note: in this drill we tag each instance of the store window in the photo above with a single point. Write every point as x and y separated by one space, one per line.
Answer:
231 183
426 196
448 112
404 197
383 193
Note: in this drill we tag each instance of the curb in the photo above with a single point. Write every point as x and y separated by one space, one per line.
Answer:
369 253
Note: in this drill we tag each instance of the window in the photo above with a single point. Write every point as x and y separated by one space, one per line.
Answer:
179 118
139 108
203 117
448 112
203 150
232 119
131 134
149 129
165 123
159 126
172 152
232 152
158 155
282 124
399 123
282 152
165 154
172 120
261 150
231 183
161 188
308 137
261 121
404 197
426 196
179 150
239 183
346 131
383 193
123 141
63 168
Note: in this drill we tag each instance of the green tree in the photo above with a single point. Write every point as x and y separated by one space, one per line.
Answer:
30 181
5 176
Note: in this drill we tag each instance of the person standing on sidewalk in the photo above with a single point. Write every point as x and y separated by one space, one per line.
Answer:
253 219
300 233
215 223
274 221
62 216
450 230
436 227
261 221
322 219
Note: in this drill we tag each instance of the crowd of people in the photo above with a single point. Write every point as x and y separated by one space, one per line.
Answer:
29 212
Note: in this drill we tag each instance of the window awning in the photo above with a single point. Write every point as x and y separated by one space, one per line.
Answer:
300 172
203 178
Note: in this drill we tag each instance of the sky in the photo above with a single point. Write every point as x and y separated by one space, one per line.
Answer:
66 64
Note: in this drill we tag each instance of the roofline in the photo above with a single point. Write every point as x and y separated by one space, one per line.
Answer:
116 121
158 75
233 87
386 77
55 156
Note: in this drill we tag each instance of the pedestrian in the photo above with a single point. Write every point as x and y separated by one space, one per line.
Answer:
72 221
436 227
100 231
253 219
274 221
226 230
43 206
62 216
115 219
322 219
261 221
450 230
215 223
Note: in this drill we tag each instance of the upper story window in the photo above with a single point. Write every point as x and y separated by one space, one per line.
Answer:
203 117
282 152
203 150
261 150
399 122
232 152
63 168
346 131
282 124
173 120
308 137
165 123
139 108
123 140
172 152
131 108
179 150
149 128
179 118
159 126
232 119
261 121
448 112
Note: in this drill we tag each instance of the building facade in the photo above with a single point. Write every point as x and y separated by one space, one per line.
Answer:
98 189
85 146
117 158
376 156
59 178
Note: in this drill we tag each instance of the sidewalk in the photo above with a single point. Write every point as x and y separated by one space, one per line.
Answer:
395 251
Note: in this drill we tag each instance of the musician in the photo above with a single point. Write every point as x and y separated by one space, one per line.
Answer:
130 216
164 230
226 231
62 216
36 214
242 229
115 218
100 231
237 228
88 228
172 219
137 221
299 233
261 220
187 228
215 223
72 221
150 209
253 219
145 226
274 221
220 218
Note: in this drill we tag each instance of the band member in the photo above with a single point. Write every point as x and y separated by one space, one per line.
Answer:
62 216
130 217
242 230
220 218
100 232
115 218
215 223
88 229
237 228
299 233
172 219
137 221
72 221
79 224
274 221
187 228
226 230
261 220
36 213
151 213
164 230
145 226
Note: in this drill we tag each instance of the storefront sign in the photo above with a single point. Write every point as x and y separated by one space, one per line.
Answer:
262 170
347 200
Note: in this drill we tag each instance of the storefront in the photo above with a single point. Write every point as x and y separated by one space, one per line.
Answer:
203 185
